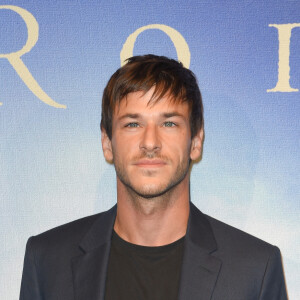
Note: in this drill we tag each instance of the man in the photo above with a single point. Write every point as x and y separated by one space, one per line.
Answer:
154 244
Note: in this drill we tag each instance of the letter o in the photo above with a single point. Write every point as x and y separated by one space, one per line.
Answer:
32 29
181 46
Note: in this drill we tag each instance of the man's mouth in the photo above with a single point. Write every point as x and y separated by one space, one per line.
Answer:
150 163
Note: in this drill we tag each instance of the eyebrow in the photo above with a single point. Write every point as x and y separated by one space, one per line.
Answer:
172 114
165 115
131 116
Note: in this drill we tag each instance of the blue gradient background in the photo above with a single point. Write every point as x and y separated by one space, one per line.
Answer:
51 162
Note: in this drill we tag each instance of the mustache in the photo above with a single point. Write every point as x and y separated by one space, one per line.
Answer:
150 155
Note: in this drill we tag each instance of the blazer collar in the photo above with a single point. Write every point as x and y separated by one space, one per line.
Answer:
100 232
199 272
199 231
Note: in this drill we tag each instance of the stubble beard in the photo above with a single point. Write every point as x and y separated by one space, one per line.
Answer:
161 193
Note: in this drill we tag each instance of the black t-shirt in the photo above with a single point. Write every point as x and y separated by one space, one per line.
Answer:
140 273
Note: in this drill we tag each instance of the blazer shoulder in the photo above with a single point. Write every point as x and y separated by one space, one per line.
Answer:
232 239
65 236
246 257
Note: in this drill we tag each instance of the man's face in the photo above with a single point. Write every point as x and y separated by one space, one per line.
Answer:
151 144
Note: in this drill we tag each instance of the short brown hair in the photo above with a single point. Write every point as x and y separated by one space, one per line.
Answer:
167 76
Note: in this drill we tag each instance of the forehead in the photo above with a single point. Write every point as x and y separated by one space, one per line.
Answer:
144 103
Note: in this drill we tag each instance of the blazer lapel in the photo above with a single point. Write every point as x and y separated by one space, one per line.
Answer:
89 269
200 268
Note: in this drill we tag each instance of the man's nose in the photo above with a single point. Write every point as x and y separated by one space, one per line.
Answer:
150 140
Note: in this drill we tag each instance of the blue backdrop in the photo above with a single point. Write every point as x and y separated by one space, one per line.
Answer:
55 59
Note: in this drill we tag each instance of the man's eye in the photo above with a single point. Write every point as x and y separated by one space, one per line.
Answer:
169 124
132 125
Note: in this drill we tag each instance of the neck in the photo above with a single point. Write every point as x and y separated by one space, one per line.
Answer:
152 222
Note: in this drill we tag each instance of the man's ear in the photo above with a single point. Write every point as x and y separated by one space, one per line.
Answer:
197 142
106 146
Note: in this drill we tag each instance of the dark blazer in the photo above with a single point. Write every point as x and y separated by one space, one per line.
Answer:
219 263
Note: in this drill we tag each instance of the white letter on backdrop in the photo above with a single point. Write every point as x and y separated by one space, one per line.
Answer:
284 38
181 46
14 58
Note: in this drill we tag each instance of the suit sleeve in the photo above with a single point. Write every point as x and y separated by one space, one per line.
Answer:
273 285
30 289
